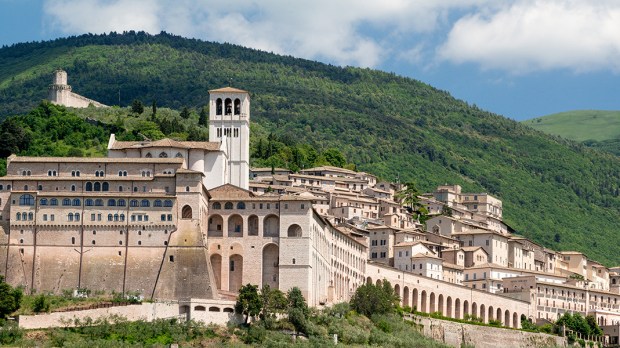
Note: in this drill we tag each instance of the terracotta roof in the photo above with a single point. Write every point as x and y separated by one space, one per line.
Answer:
227 90
425 256
26 159
451 265
166 142
329 168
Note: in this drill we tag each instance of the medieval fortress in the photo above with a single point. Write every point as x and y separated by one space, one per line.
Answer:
191 220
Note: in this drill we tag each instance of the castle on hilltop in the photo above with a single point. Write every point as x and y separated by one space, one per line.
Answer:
59 92
190 220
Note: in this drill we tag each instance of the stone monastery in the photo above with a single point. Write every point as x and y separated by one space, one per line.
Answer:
190 220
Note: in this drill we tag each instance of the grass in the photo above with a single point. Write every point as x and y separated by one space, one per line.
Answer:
580 125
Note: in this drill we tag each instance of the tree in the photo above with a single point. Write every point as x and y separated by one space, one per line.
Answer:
249 303
185 113
203 119
10 299
297 309
137 107
334 157
409 197
13 137
372 299
274 301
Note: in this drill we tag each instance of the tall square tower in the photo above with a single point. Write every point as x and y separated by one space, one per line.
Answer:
229 123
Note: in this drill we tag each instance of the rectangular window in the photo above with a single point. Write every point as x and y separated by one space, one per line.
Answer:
93 217
44 217
400 254
139 217
170 217
98 217
373 255
303 206
383 254
163 217
232 266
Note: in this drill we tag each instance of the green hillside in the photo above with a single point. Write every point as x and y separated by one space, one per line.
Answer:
595 128
558 192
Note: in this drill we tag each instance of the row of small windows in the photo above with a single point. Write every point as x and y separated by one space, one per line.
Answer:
241 205
164 155
97 186
24 216
229 132
29 200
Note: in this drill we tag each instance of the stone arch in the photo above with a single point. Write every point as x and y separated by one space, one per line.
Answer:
423 307
235 272
216 223
474 309
432 303
271 259
515 320
406 297
397 291
271 226
414 304
507 318
440 304
235 226
216 265
368 280
253 225
449 307
200 308
498 315
237 106
218 106
457 309
228 106
483 313
294 230
491 313
186 212
465 308
378 283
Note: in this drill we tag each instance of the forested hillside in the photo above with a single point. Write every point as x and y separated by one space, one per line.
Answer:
558 192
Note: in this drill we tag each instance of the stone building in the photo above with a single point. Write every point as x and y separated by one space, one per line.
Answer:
59 92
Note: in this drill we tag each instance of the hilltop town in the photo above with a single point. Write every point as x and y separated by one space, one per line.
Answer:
191 221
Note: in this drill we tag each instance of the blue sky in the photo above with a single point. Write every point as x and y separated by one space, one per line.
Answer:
517 58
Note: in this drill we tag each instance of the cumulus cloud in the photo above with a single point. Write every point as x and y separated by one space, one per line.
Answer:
533 35
519 36
342 32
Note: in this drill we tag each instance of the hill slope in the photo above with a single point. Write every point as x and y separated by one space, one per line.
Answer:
595 128
552 189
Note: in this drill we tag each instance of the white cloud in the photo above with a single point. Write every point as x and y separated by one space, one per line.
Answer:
533 35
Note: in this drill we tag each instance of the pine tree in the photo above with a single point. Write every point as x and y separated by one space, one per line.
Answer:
202 121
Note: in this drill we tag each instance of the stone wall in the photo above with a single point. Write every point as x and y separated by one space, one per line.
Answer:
206 311
458 334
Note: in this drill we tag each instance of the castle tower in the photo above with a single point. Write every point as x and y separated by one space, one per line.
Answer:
59 91
229 122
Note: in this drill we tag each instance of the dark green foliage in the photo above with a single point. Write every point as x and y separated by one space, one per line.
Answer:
10 299
185 113
41 304
371 299
386 124
274 302
249 302
409 197
137 107
13 138
297 309
578 324
10 333
204 118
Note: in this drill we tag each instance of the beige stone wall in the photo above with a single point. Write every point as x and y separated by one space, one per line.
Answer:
459 334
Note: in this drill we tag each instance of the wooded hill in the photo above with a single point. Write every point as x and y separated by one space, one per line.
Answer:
557 192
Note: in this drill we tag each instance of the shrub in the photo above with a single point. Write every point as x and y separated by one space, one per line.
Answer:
497 323
41 304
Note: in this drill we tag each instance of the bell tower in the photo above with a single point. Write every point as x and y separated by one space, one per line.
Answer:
229 123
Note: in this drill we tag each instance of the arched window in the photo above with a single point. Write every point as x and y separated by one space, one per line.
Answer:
89 202
70 217
77 173
120 189
99 202
25 187
120 173
143 173
73 173
163 155
66 202
148 155
121 203
97 173
133 203
124 173
18 217
105 187
145 203
110 217
228 106
218 106
186 212
76 202
228 205
30 216
49 173
97 186
111 202
53 201
168 203
237 106
43 201
122 217
40 187
217 205
157 203
115 217
77 216
72 188
241 205
294 231
178 155
89 186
